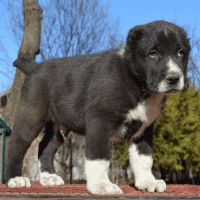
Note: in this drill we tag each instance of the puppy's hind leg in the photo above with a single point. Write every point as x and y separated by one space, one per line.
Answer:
29 122
32 115
48 147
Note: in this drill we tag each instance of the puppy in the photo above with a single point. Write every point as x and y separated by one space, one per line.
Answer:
100 96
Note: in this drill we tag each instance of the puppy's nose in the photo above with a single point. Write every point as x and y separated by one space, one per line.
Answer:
173 78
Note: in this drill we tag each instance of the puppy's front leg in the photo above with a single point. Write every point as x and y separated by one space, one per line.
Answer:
97 159
141 161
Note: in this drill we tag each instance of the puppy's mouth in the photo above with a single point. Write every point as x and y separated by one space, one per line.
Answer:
169 91
172 91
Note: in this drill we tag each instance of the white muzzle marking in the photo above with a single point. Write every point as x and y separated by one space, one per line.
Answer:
164 86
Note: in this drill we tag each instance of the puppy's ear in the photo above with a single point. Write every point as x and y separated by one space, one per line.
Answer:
133 39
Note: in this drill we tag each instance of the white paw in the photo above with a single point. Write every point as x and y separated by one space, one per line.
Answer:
151 185
19 181
47 179
104 188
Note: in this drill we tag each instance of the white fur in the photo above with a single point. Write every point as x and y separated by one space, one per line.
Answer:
122 130
63 134
19 181
137 113
163 86
141 166
121 52
47 179
146 111
96 172
166 31
172 68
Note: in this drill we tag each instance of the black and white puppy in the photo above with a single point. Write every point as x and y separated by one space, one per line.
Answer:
101 95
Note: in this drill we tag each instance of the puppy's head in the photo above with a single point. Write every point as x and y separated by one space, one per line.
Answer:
158 55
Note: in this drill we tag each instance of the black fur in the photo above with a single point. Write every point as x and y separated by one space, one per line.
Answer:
145 142
92 94
48 147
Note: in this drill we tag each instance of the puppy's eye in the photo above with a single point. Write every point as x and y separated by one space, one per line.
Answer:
153 54
181 53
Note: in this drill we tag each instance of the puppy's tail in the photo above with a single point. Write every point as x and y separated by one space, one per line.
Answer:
25 65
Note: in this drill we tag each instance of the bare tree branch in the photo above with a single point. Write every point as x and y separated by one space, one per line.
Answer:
76 28
194 59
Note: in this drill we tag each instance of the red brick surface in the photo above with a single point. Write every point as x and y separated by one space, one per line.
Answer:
76 190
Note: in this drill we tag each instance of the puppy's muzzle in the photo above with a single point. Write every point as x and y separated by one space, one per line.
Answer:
173 78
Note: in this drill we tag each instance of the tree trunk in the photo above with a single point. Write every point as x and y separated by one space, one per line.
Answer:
29 48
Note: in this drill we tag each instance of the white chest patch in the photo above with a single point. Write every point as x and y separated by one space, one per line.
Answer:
139 113
146 112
